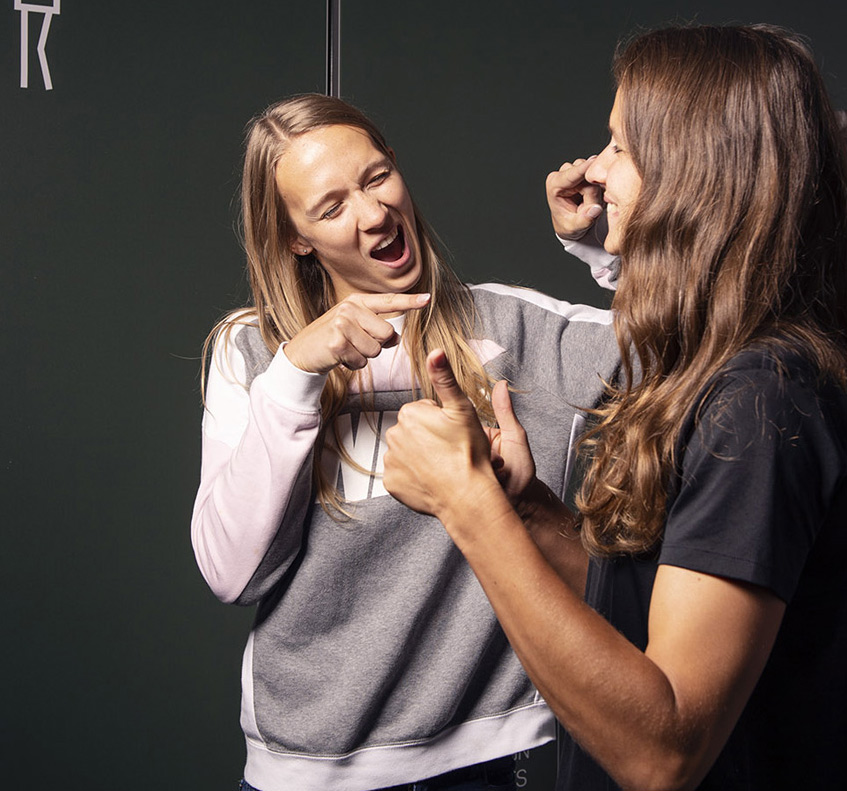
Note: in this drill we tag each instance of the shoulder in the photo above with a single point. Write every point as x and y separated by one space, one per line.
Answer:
234 324
553 345
499 295
759 464
769 391
767 417
239 347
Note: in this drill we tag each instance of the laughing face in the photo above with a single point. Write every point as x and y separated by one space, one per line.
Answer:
350 207
615 171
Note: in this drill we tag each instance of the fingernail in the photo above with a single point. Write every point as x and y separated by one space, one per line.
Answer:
593 156
423 299
594 211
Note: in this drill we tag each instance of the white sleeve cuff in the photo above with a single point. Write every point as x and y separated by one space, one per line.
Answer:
290 386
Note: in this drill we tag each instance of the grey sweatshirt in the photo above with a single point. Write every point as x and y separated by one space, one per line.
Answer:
375 658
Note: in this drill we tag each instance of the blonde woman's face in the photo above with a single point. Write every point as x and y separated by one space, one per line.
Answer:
615 171
350 207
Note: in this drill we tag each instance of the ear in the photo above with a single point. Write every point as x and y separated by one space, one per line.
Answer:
299 246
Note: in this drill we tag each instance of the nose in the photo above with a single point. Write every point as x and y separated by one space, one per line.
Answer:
596 172
372 212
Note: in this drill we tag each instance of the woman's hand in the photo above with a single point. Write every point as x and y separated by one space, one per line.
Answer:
574 202
351 332
511 457
438 455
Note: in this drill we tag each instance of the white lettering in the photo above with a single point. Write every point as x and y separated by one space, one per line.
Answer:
366 447
48 11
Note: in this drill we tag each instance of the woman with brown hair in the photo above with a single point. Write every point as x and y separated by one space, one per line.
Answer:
711 527
375 659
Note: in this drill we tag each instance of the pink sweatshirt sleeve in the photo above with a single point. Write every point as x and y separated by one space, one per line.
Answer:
255 479
589 249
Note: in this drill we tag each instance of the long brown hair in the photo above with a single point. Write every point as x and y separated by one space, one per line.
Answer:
290 291
737 236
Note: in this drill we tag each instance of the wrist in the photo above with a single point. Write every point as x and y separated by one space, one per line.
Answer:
290 385
565 236
528 502
469 516
541 510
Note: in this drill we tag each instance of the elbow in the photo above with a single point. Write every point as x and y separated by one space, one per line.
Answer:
221 585
672 770
225 594
221 579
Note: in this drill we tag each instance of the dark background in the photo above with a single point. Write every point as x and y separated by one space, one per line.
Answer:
120 670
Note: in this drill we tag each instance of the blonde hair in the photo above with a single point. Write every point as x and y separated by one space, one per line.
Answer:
737 237
290 291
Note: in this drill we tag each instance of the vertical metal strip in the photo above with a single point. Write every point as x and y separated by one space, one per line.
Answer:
333 47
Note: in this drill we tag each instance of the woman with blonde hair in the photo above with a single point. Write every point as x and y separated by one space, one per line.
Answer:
375 660
711 529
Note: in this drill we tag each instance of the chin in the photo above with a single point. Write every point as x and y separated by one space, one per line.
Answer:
413 278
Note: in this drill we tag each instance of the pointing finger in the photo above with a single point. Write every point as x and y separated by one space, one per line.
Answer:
392 303
571 175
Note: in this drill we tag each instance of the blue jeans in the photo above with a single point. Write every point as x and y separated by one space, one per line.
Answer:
497 775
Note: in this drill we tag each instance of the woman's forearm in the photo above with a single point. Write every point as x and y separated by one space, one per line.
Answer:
574 657
645 722
653 719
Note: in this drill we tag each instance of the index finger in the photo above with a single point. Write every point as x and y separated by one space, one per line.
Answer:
392 303
570 175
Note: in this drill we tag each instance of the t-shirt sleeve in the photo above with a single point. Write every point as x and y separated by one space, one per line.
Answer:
754 479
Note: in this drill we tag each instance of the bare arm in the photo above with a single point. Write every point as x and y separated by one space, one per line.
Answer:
653 719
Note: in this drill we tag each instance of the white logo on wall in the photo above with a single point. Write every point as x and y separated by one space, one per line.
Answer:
47 11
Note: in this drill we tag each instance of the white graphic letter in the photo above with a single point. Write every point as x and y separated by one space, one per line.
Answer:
366 448
47 11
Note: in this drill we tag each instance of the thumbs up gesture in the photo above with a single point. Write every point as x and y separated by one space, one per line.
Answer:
440 458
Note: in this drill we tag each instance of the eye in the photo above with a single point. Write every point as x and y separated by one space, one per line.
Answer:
331 212
379 178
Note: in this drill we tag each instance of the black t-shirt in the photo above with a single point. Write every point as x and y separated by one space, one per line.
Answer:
760 496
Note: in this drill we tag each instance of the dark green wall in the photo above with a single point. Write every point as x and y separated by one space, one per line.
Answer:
120 670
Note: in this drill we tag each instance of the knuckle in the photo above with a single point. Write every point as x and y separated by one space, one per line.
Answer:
357 359
407 414
345 309
337 346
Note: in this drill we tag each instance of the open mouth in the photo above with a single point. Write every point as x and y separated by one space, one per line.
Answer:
392 249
